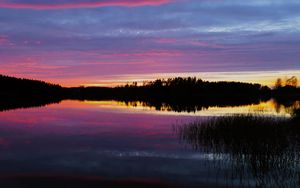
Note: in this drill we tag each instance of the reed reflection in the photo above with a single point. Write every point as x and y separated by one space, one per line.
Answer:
257 151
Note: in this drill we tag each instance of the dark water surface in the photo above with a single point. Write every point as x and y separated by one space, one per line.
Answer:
116 144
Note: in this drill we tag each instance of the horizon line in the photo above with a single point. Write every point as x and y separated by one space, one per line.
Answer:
265 78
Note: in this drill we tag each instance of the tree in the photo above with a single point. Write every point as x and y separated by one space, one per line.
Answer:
278 83
293 81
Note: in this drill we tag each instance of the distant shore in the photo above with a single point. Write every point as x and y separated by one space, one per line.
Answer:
181 94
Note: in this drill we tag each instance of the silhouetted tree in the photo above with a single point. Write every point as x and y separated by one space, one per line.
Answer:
278 83
293 81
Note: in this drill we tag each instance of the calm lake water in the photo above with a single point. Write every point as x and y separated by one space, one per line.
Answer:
116 141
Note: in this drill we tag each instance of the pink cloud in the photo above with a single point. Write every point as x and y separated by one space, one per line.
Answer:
151 54
3 40
165 40
72 5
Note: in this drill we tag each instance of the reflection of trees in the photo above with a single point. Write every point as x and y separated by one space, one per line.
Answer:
290 106
10 104
262 149
199 105
192 105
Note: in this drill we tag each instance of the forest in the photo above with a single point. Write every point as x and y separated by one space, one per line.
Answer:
179 94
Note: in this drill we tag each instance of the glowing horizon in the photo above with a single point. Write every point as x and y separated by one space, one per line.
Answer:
266 78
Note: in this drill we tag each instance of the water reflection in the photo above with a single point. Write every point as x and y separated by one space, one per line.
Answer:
271 107
267 108
118 141
9 104
75 139
258 151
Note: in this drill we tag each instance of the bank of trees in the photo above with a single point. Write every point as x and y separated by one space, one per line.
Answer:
179 93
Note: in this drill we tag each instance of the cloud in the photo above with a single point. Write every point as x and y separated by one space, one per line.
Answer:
3 40
193 35
68 4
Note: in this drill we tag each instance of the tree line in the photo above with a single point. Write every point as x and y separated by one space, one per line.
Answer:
182 94
23 93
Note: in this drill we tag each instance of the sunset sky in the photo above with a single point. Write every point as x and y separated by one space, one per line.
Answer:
109 42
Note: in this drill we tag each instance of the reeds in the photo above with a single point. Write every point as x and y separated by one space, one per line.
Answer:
266 149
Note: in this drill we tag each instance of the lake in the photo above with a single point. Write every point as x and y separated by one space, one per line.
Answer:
129 143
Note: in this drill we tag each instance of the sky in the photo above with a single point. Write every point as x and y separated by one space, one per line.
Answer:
111 42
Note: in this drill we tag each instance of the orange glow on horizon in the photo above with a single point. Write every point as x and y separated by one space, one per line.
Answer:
267 78
269 108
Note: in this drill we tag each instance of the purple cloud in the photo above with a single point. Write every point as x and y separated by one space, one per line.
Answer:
114 40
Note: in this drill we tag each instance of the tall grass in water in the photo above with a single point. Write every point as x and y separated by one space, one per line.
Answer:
261 151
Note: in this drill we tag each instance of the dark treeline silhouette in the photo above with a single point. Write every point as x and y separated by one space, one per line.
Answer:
177 89
258 149
185 89
22 93
17 87
177 94
286 90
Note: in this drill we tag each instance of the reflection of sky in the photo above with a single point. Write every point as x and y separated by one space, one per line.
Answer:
109 41
117 130
75 140
102 139
268 108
